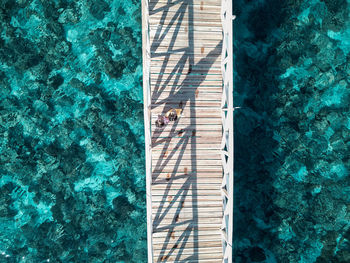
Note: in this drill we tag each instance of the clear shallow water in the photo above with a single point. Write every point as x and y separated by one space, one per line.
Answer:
71 146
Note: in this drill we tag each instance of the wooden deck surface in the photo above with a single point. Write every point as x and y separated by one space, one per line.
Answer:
185 70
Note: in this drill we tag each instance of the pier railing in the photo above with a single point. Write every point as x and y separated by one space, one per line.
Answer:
146 53
227 125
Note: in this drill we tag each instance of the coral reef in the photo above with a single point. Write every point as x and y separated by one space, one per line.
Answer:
71 122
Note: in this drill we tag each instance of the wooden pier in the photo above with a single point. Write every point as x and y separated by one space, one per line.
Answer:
187 63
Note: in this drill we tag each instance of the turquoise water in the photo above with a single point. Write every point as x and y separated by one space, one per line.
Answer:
72 179
72 185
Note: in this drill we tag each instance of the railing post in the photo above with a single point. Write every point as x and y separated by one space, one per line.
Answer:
146 54
227 154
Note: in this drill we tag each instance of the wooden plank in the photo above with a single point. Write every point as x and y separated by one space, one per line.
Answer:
194 35
186 152
215 43
161 29
199 175
187 128
181 56
201 244
160 6
170 145
188 198
186 2
175 210
167 175
209 180
191 239
178 177
187 142
188 186
168 222
206 58
171 162
173 8
186 213
188 89
182 7
166 2
196 86
196 261
187 257
185 251
174 146
156 70
215 253
183 84
190 83
185 69
156 136
188 139
200 184
206 104
186 79
188 170
179 168
188 12
194 23
188 227
198 170
161 216
188 115
173 68
203 87
186 111
183 76
182 133
177 17
186 183
192 88
204 65
186 45
193 190
190 120
184 96
181 179
175 73
188 59
165 205
178 154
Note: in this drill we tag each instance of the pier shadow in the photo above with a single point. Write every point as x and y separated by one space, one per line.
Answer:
257 67
177 165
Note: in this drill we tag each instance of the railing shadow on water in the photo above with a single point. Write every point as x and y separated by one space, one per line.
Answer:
175 144
257 94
